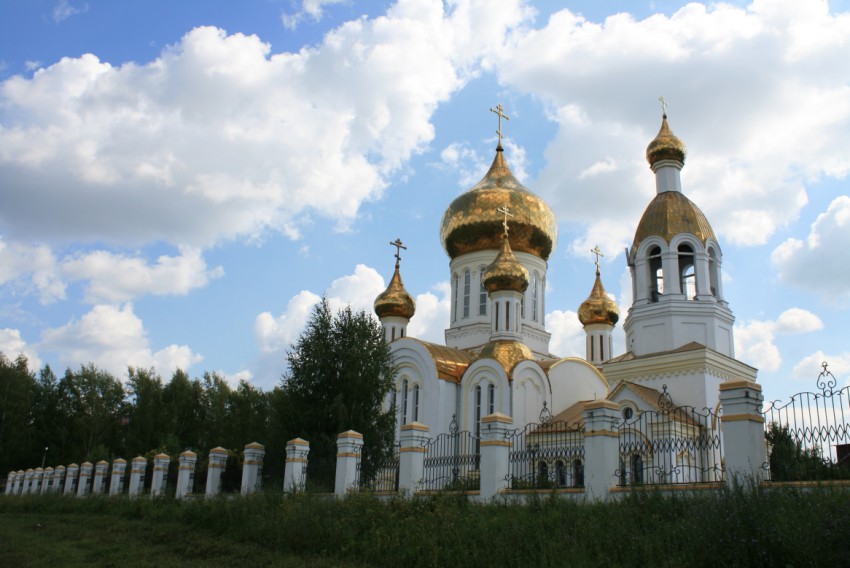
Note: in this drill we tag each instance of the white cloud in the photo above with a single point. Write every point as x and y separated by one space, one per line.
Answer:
64 10
32 269
755 340
568 336
11 345
729 72
810 367
118 278
219 138
821 263
432 313
315 9
113 338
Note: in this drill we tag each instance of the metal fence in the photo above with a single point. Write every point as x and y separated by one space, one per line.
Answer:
671 445
548 454
320 474
452 461
808 438
383 477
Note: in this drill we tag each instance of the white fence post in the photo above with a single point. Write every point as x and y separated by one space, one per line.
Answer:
215 467
58 480
297 451
116 483
28 475
46 480
411 457
98 486
186 474
37 479
84 485
160 472
601 448
743 431
252 468
137 476
349 448
71 479
495 455
10 483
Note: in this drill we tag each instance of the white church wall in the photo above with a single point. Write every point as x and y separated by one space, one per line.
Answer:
530 388
575 380
482 373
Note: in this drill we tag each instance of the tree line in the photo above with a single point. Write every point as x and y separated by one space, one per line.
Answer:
339 372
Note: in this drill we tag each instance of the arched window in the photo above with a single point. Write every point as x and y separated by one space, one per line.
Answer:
404 402
687 275
456 285
578 473
637 469
542 473
482 294
656 274
416 403
560 474
713 273
491 398
535 280
477 403
467 290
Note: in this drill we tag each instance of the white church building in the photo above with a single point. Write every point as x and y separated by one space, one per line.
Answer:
496 359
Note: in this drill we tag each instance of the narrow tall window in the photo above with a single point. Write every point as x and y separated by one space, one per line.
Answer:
687 274
416 403
656 274
637 469
456 284
404 402
477 410
497 315
712 273
534 291
578 473
601 348
467 285
491 398
507 317
482 294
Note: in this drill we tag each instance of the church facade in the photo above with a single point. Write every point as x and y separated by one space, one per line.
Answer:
496 359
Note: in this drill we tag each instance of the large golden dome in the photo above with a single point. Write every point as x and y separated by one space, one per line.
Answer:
505 272
507 353
665 146
598 307
471 223
670 214
395 301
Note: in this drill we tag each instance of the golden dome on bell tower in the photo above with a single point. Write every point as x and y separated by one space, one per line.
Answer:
395 301
665 146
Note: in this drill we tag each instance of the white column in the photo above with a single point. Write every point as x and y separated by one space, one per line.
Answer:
37 480
19 482
186 474
411 465
297 451
137 476
116 483
252 468
743 431
160 472
58 480
10 483
601 448
495 455
98 486
28 475
670 268
349 448
71 479
46 481
84 485
215 467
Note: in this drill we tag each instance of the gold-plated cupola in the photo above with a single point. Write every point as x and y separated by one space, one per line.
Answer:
395 301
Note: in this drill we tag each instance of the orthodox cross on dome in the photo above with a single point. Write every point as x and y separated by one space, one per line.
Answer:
499 110
398 246
507 213
595 250
663 106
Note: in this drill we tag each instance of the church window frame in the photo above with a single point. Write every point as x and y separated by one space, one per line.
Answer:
535 285
656 273
636 463
404 396
491 398
467 292
416 395
578 473
482 293
455 292
560 473
687 270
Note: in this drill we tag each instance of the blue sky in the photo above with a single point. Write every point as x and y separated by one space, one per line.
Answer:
179 181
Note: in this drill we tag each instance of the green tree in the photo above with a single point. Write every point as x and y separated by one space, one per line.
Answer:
183 412
145 429
340 371
17 393
790 461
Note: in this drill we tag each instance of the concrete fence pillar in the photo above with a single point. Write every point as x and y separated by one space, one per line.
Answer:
28 475
160 474
71 479
137 476
215 467
84 485
10 483
349 451
98 486
411 457
743 431
252 468
297 451
37 480
19 482
186 474
116 482
601 448
46 480
495 455
58 480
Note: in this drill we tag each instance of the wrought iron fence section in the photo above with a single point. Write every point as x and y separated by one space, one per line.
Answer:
384 475
546 455
452 461
671 445
808 438
319 476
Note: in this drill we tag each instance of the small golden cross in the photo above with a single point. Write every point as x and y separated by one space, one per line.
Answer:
595 250
663 106
499 110
398 246
507 213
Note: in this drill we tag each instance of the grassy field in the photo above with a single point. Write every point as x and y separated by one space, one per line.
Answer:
734 528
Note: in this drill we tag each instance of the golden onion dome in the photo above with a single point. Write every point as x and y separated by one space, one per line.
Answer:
671 214
598 307
665 146
507 353
472 223
505 272
395 301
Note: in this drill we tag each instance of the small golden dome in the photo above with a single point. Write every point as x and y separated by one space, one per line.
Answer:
671 214
507 353
505 272
395 301
598 307
665 146
472 223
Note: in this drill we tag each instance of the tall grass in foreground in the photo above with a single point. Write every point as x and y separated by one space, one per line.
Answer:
743 527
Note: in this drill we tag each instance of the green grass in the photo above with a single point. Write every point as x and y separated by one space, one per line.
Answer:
744 527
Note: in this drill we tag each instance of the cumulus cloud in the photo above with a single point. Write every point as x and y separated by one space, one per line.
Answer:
11 345
729 72
219 138
64 10
432 314
810 367
755 340
113 338
32 269
821 262
568 337
314 9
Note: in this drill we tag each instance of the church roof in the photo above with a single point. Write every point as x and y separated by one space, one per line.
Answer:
630 356
671 213
598 307
657 400
451 363
507 353
505 272
665 146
